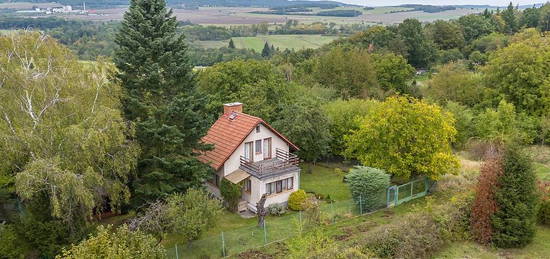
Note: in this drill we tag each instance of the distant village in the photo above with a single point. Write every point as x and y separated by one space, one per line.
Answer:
59 9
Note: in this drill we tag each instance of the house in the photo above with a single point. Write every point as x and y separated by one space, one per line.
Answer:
248 150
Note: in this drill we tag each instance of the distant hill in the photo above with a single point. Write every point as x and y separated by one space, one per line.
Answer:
196 3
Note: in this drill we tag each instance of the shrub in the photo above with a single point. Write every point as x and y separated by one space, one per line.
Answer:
312 243
231 193
192 213
276 209
116 243
296 200
312 210
485 205
453 218
368 187
515 220
416 236
544 209
420 234
10 245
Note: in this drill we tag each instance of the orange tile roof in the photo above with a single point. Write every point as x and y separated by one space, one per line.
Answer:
227 134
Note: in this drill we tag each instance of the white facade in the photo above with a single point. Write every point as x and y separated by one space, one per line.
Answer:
233 162
258 187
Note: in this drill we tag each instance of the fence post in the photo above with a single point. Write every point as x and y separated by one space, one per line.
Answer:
177 256
223 245
396 197
412 184
333 214
360 204
265 233
426 183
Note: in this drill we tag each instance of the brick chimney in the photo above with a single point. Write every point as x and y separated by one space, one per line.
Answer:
232 107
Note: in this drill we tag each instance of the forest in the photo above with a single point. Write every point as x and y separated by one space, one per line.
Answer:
101 128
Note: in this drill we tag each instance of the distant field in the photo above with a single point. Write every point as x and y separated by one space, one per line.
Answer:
5 32
227 16
278 41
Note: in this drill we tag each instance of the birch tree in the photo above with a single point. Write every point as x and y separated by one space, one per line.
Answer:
62 134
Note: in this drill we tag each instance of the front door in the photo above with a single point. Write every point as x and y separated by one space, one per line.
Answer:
248 151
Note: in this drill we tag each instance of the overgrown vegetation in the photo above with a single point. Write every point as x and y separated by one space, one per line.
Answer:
82 140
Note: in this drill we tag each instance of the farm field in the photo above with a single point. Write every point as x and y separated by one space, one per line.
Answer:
278 41
225 16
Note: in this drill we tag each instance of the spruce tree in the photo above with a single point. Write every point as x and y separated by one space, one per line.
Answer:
231 44
510 19
266 51
161 100
514 221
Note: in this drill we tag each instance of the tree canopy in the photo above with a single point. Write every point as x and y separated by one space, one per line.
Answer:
519 73
61 133
405 137
161 101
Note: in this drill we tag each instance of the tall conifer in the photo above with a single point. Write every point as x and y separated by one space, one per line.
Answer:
514 222
161 100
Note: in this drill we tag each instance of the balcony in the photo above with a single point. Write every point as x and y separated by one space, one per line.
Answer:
283 162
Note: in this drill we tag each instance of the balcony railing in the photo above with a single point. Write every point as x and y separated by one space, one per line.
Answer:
283 160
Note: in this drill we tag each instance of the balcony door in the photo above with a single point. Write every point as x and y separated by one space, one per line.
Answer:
249 151
267 148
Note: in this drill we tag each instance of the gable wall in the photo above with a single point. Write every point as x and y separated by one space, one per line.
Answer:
233 162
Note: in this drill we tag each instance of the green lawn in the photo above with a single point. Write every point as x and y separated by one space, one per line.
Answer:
539 248
326 181
278 41
241 234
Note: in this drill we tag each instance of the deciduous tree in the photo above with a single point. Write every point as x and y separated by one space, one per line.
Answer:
343 117
420 52
351 72
393 73
306 125
405 137
454 82
63 138
446 35
519 73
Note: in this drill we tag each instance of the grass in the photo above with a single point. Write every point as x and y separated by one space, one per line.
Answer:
539 248
282 42
326 181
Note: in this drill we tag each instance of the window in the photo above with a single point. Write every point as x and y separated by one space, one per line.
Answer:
258 129
247 185
279 186
267 148
248 151
258 146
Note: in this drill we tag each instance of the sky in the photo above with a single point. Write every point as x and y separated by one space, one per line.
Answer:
440 2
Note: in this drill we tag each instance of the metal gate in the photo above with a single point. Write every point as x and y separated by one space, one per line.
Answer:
398 194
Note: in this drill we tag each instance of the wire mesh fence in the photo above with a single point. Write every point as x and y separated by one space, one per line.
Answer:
278 228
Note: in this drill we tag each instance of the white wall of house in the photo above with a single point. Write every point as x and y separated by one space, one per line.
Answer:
279 197
233 162
258 188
